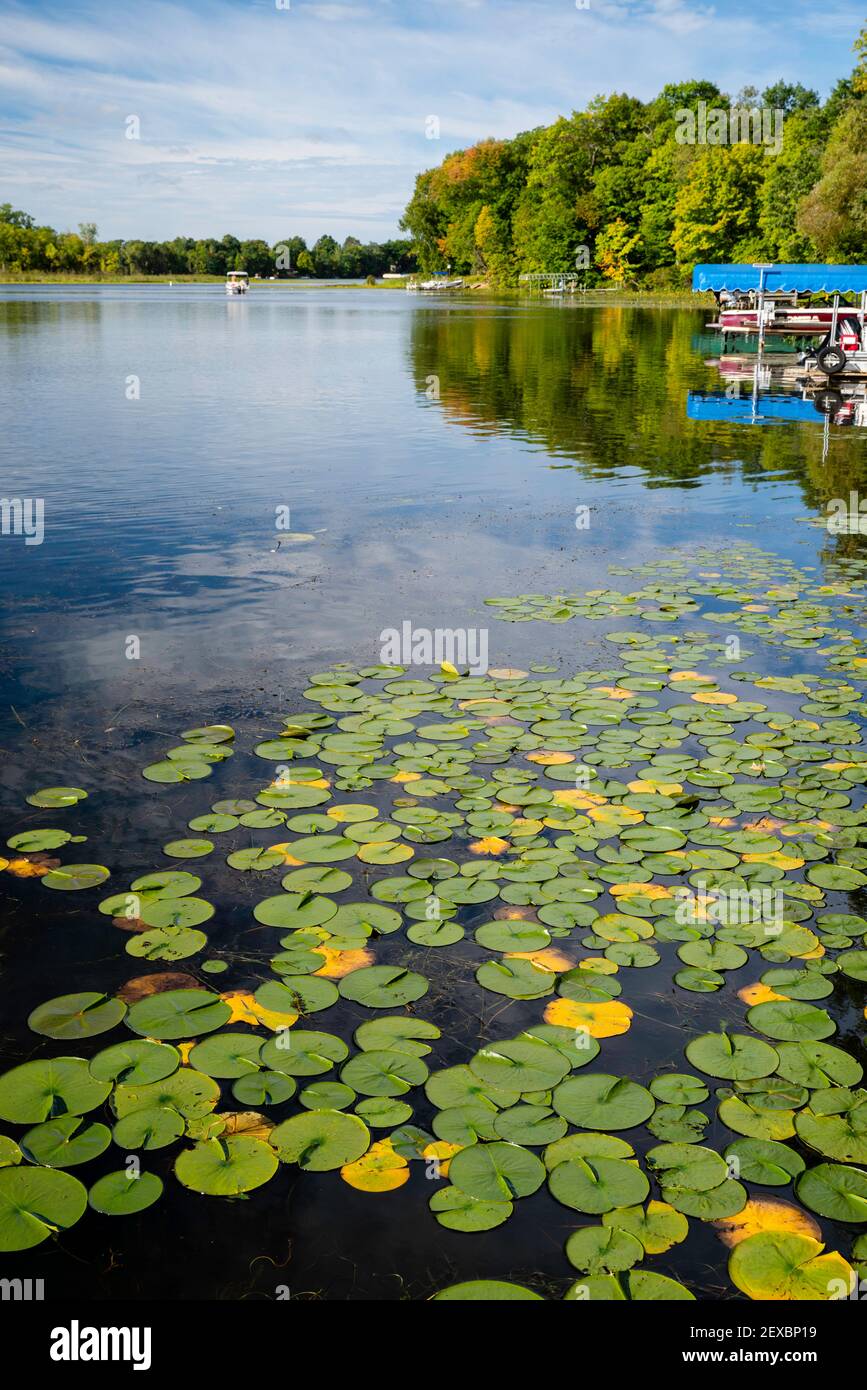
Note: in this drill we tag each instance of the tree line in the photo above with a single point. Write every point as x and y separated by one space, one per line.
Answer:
638 192
26 247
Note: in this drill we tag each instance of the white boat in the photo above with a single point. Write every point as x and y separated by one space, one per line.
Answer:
438 285
237 282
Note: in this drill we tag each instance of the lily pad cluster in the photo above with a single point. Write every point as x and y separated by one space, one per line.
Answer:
567 831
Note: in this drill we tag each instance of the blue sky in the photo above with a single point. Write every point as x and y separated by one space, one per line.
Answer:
269 121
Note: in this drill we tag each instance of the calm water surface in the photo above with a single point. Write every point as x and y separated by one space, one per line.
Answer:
437 452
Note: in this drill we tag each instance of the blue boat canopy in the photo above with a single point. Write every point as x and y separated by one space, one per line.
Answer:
709 405
782 279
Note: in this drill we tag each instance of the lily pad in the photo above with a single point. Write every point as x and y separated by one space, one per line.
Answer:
226 1167
74 1016
119 1194
602 1101
781 1266
496 1172
458 1211
73 877
732 1056
36 1203
383 986
56 796
65 1142
321 1140
42 1090
834 1191
178 1013
597 1185
486 1291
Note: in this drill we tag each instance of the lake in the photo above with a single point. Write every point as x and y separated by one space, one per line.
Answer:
239 493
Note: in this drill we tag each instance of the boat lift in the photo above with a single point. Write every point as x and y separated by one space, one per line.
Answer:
765 288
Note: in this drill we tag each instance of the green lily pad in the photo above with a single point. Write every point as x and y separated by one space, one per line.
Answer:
151 1127
167 943
303 1052
135 1063
176 912
687 1166
42 1090
404 1034
264 1088
73 877
191 1093
383 986
486 1291
381 1112
635 1286
764 1161
56 796
507 935
65 1142
384 1073
36 1203
754 1121
188 849
226 1167
119 1194
302 994
496 1172
321 1140
227 1055
178 1013
35 841
516 978
658 1226
835 1191
817 1065
74 1016
521 1065
458 1211
732 1056
597 1185
791 1021
602 1101
603 1249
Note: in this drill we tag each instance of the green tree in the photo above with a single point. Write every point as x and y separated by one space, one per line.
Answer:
833 215
13 217
716 215
788 180
790 97
493 248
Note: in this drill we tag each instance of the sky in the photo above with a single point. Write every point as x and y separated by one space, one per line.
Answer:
272 118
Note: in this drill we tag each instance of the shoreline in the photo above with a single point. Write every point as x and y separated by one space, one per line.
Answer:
598 296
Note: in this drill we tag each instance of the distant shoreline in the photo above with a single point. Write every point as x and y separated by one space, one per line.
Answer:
601 296
42 277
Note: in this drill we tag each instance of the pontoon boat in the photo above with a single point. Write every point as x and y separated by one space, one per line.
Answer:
759 292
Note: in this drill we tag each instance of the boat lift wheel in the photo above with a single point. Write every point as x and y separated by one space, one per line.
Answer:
828 402
831 360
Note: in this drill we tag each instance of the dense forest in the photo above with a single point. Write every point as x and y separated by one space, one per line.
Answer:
24 247
639 192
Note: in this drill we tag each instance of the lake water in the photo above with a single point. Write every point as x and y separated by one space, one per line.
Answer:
438 453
